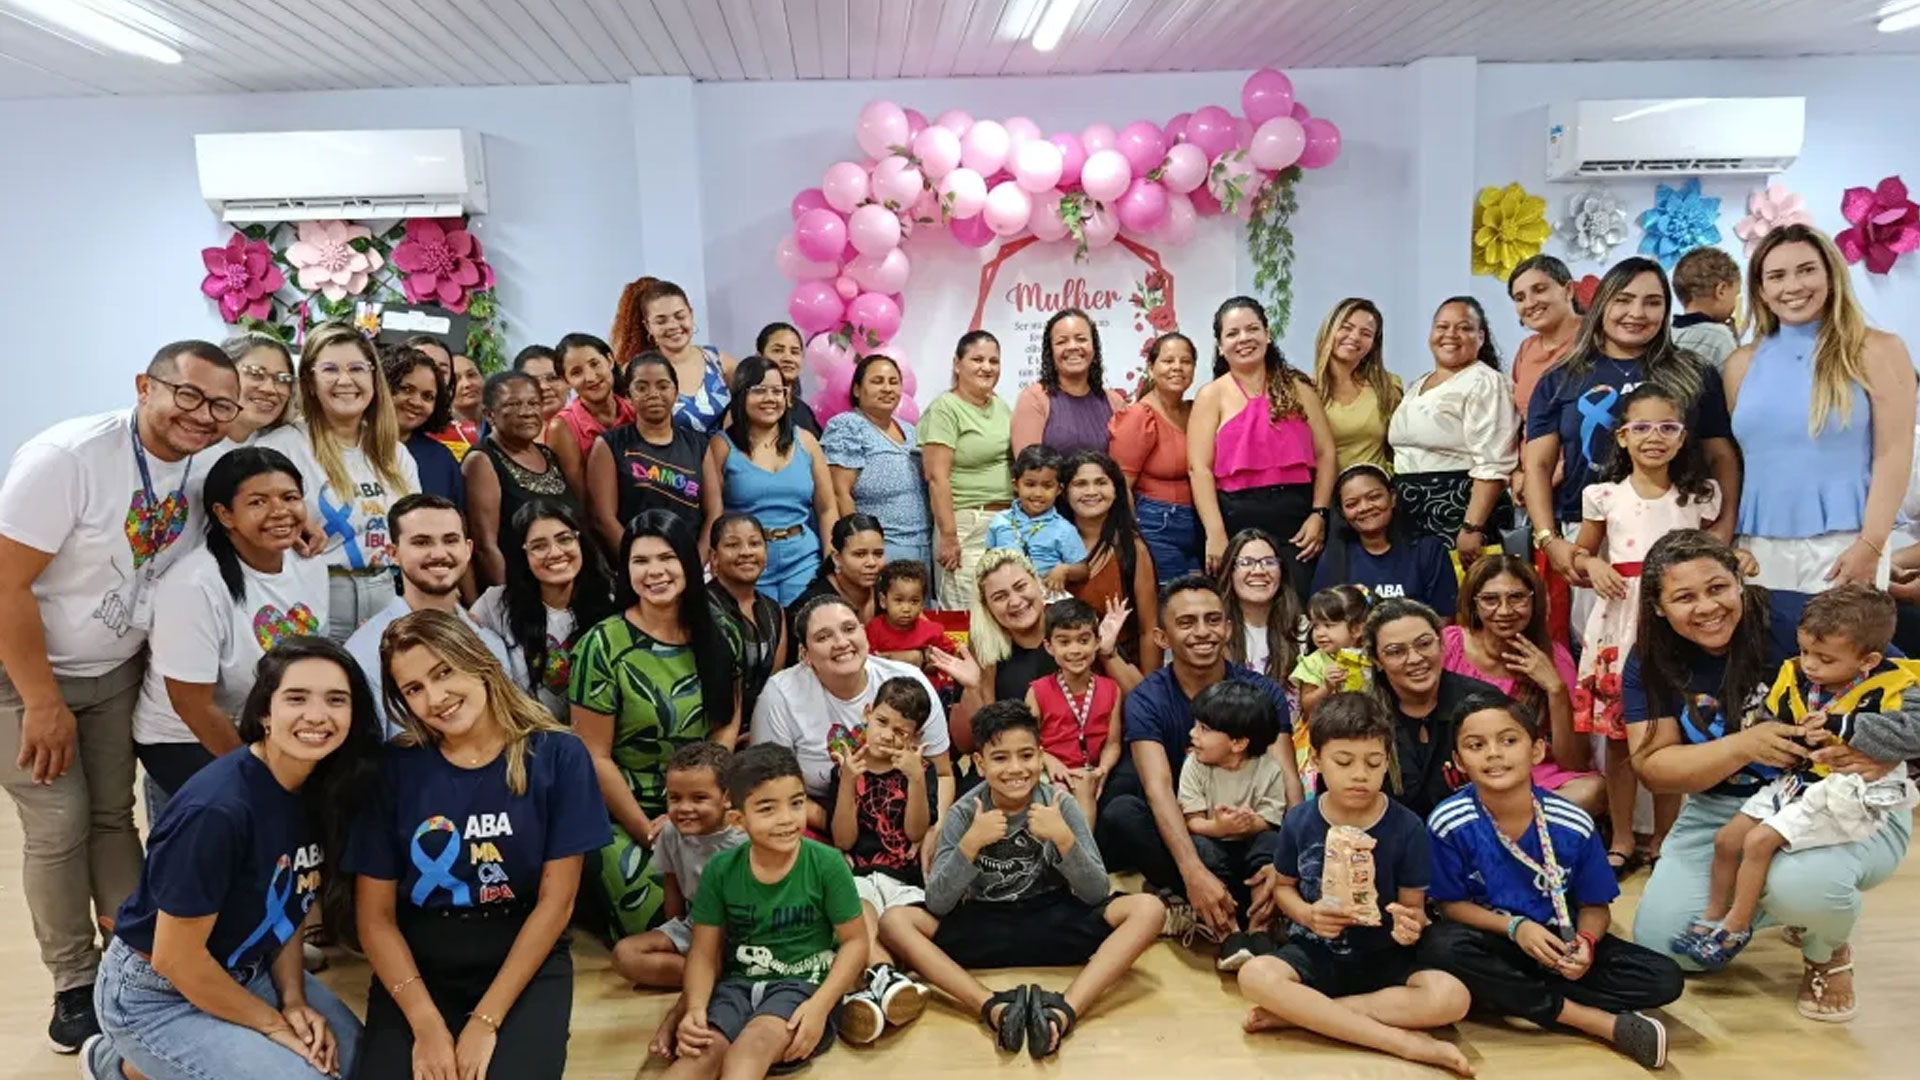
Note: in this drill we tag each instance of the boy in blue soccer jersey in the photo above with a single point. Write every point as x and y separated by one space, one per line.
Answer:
1525 922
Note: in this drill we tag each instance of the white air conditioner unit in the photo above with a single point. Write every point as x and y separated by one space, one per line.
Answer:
1675 137
358 175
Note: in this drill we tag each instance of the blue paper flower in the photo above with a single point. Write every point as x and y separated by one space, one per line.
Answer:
1681 219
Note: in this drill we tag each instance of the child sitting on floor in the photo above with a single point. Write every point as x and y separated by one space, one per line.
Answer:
1348 971
763 975
1034 527
881 799
1526 920
1017 882
1234 796
696 830
1842 689
1079 709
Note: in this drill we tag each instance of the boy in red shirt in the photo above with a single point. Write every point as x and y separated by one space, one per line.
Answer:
1079 710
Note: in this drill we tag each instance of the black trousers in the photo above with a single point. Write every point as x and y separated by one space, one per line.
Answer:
1503 979
1278 511
458 959
1129 840
1234 861
172 764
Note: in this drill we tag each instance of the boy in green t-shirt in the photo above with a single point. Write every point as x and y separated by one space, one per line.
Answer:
765 924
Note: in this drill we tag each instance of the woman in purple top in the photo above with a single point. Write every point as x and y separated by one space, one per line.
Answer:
1067 409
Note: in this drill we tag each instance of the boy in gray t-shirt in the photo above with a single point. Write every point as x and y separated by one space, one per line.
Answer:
696 830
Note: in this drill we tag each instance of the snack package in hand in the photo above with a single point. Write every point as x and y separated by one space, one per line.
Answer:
1347 878
1358 668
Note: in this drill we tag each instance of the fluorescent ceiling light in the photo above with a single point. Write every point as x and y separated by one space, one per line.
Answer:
1899 16
1053 24
101 29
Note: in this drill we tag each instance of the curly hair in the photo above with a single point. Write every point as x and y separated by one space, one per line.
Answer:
1049 374
1687 472
629 336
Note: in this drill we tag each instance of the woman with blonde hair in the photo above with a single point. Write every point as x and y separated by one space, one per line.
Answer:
1823 407
347 447
487 807
1350 373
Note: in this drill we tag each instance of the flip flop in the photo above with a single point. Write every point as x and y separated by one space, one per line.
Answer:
1045 1034
1011 1033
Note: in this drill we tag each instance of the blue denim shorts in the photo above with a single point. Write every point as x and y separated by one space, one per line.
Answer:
1172 535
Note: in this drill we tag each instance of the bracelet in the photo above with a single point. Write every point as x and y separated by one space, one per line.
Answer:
1877 549
394 990
492 1024
1513 927
1592 942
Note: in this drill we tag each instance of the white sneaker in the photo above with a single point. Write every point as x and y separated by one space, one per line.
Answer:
1182 923
902 997
861 1018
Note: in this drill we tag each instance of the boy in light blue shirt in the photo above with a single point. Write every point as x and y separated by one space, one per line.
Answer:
1033 524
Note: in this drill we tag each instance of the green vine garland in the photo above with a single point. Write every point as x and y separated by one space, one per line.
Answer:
1270 243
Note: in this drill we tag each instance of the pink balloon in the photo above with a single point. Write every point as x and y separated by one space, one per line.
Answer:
1073 158
954 120
964 192
1106 175
823 354
848 253
926 210
810 199
1211 129
815 307
1277 143
984 147
1021 130
1176 130
916 123
796 266
846 287
1232 169
1186 168
908 409
1300 113
1008 208
1242 133
835 393
971 231
896 182
1098 137
881 273
1323 144
1266 94
881 127
820 235
874 314
1204 204
938 150
845 186
874 230
907 224
1177 227
1100 226
1142 144
1143 206
1045 223
1036 165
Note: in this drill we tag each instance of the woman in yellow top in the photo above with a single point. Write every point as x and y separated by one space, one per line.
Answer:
1352 378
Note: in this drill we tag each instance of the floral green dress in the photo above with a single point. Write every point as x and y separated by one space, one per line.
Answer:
652 691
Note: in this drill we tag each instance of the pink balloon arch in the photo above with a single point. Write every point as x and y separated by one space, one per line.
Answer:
984 180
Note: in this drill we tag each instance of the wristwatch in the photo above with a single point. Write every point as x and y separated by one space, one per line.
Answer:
1543 537
1477 530
1324 513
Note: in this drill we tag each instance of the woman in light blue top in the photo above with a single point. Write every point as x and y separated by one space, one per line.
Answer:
763 466
1823 408
875 462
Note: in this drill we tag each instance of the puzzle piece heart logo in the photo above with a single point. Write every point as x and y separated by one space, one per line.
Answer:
152 525
271 626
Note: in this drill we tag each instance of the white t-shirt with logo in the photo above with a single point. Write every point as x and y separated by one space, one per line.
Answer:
74 491
550 685
356 524
797 712
202 635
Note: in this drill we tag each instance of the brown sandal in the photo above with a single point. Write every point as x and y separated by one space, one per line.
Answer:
1832 981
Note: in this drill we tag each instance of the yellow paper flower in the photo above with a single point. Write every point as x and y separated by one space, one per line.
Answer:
1509 226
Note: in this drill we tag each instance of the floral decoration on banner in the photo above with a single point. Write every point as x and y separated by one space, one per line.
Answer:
1770 208
282 277
1884 224
1509 226
1595 224
1681 219
1152 301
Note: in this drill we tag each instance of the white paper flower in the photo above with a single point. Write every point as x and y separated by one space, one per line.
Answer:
1595 224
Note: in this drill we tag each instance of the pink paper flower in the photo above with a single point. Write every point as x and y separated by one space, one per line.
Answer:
1768 209
325 260
242 277
1886 225
442 262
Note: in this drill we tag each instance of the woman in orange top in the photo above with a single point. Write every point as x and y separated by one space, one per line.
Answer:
1148 440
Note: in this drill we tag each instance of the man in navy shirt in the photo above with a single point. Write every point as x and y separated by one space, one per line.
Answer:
1140 821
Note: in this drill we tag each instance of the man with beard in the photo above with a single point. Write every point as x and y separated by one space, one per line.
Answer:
93 510
430 544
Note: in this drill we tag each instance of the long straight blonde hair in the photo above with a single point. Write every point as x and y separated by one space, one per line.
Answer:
1840 349
379 430
454 642
1370 371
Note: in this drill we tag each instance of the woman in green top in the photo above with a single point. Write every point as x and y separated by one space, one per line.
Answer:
646 682
1353 381
966 437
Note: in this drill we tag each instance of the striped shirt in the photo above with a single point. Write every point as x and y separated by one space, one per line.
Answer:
1470 863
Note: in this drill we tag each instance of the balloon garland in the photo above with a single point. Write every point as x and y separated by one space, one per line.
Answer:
983 180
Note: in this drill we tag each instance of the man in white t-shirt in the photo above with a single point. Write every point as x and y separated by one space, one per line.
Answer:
91 512
430 544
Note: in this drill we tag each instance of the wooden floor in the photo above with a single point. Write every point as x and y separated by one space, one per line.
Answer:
1175 1017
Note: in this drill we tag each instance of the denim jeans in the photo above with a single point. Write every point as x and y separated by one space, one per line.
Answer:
1172 534
162 1034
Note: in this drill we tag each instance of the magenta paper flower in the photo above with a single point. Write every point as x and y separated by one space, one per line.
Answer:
1770 208
443 263
325 260
242 277
1886 225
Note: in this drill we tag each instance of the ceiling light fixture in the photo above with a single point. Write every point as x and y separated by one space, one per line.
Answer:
1899 16
96 27
1053 24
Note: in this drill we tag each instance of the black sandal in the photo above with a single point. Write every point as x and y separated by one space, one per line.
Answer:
1043 1036
1011 1031
1624 863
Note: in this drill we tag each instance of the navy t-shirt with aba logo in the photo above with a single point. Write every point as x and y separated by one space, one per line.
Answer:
452 837
236 845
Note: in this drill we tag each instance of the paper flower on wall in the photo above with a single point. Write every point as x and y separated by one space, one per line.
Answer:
1595 224
1584 291
1681 219
1768 209
242 277
327 260
442 263
1509 226
1885 225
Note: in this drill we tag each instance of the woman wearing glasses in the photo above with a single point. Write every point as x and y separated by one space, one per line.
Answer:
1403 640
511 468
347 447
266 384
557 584
1375 547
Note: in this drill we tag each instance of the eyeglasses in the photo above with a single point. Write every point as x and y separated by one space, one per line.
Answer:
189 398
1642 428
354 370
1496 601
565 541
1256 562
767 391
255 371
1425 643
